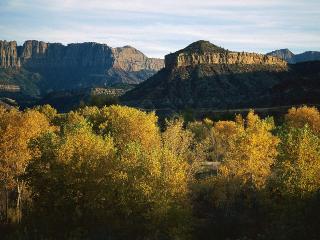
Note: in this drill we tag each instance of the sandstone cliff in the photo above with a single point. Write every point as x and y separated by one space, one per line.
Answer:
9 55
211 54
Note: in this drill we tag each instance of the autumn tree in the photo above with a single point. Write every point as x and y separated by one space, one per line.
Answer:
251 153
178 139
127 184
234 198
298 165
16 130
127 125
294 185
298 117
48 111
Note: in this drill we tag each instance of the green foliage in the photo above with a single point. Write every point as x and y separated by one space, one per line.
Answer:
103 100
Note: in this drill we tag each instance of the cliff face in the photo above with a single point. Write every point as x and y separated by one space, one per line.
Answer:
130 59
216 55
35 54
9 55
77 65
40 54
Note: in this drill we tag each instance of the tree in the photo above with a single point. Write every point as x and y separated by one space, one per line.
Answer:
213 139
251 153
16 130
298 166
86 184
177 139
298 117
235 197
127 125
48 111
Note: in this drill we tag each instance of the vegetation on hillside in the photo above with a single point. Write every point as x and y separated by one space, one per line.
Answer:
114 173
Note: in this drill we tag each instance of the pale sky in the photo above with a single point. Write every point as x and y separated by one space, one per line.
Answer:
163 26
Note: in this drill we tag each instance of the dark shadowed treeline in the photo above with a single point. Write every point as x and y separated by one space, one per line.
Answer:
111 173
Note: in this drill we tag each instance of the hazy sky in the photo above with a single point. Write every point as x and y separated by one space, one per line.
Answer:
157 27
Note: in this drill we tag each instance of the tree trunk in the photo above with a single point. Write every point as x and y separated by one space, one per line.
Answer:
18 206
7 204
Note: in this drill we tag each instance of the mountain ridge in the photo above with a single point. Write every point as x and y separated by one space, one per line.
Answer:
292 58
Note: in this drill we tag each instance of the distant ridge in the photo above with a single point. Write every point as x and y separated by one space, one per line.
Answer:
292 58
53 66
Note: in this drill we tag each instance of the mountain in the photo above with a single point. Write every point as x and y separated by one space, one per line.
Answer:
38 67
205 76
307 56
284 54
292 58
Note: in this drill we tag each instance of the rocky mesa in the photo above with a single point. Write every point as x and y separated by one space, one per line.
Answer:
76 65
203 52
206 77
35 53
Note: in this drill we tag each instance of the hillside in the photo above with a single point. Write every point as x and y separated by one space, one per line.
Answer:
206 76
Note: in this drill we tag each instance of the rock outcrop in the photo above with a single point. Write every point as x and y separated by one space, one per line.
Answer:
9 88
216 55
9 55
130 59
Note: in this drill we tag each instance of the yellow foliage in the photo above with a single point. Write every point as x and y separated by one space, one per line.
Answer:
127 125
16 130
177 139
223 135
214 139
298 117
134 181
48 111
298 168
251 153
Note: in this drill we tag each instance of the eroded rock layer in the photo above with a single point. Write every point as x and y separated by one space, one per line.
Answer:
78 64
208 53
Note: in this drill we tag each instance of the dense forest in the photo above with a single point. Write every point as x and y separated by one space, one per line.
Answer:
117 173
